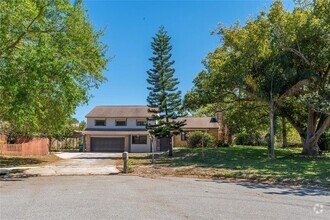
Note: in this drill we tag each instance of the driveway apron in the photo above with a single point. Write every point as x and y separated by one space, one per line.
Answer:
79 164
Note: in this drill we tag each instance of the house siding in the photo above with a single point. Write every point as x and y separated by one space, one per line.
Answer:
131 114
129 147
111 123
140 148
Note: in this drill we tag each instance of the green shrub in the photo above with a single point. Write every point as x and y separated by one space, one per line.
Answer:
196 138
219 143
254 139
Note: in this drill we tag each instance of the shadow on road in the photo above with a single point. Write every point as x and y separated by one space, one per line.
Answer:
276 190
10 179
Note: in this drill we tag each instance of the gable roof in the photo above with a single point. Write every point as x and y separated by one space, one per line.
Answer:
116 111
199 122
141 111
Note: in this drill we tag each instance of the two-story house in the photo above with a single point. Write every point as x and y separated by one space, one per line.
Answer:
122 128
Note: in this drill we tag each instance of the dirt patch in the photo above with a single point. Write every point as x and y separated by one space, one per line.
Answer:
156 171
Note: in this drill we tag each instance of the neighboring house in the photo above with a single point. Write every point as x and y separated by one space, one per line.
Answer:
122 128
205 124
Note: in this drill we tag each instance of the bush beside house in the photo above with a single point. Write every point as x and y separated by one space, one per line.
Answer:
250 139
197 138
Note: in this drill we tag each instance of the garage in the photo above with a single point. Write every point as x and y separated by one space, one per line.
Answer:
99 144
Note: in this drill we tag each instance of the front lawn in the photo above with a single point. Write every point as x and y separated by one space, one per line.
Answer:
239 162
13 161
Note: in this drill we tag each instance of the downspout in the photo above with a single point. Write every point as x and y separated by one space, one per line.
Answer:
84 143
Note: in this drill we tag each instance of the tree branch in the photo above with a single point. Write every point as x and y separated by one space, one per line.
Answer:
295 89
13 45
322 128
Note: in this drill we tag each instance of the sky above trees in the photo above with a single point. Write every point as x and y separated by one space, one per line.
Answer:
130 26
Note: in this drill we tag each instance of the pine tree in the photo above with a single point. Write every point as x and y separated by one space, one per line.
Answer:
164 99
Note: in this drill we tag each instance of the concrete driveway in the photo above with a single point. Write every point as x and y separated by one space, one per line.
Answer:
130 197
79 164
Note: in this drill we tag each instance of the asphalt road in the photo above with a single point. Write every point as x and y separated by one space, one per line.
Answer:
129 197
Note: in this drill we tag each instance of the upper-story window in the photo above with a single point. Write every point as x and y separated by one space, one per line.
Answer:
121 123
99 122
141 122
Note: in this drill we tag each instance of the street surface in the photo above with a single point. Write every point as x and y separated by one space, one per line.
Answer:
130 197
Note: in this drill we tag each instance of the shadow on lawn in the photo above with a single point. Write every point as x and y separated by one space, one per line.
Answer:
18 161
275 189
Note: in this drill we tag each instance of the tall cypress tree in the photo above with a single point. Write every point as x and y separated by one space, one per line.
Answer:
164 99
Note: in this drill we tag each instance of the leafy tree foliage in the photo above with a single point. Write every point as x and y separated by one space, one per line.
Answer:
272 60
50 57
239 116
82 126
164 98
305 34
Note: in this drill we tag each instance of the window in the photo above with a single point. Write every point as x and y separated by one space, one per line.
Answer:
183 136
120 122
139 139
141 123
99 122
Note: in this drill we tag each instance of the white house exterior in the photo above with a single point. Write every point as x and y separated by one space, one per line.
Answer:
118 129
122 128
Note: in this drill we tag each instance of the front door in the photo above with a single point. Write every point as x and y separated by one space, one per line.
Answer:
164 144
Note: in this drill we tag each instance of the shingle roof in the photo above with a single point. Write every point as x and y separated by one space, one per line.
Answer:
199 122
128 111
140 111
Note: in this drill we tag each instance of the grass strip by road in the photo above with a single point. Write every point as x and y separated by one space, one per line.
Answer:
18 161
238 162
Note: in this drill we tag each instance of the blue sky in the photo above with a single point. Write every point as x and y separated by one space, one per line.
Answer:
130 25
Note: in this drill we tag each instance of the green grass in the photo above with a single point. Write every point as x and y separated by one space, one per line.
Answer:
245 162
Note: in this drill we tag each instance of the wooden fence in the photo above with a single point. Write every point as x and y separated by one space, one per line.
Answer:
67 144
35 147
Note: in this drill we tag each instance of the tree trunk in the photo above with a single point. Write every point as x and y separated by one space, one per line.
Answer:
317 123
271 155
230 138
310 147
316 126
284 134
170 147
50 143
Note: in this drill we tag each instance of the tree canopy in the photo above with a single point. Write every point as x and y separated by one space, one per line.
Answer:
279 58
50 57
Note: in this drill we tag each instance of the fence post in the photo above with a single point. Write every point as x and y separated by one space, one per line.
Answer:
125 159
